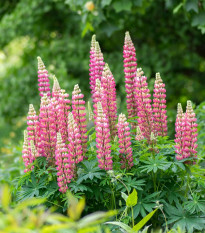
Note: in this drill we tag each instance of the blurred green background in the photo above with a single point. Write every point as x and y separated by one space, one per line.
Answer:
168 36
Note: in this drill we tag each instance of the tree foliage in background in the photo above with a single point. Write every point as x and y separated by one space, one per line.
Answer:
168 37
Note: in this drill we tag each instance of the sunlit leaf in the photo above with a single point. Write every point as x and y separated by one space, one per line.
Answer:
132 199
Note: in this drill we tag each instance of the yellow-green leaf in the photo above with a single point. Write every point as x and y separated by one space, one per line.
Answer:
6 196
132 199
75 209
30 202
139 225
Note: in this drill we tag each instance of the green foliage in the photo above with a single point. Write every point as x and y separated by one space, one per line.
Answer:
65 27
195 204
157 177
31 216
194 10
134 193
185 220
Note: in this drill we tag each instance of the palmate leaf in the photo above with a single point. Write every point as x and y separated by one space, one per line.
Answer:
33 188
154 164
51 188
186 221
75 187
145 204
195 204
89 171
174 196
131 183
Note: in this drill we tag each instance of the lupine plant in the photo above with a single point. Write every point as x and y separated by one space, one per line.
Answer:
106 162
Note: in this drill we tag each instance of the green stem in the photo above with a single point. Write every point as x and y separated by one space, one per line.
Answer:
113 197
164 218
54 204
131 206
124 185
133 223
154 181
187 185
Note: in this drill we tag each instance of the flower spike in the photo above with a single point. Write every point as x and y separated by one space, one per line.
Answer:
130 68
159 107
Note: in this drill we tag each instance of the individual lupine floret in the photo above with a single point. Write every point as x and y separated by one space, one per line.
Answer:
99 96
108 84
124 142
32 121
74 139
63 165
139 135
26 153
159 107
191 117
43 80
78 106
143 100
103 139
130 68
179 132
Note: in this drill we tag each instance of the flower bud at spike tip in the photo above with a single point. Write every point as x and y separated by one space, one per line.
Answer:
32 122
56 87
43 80
139 135
179 132
26 153
34 152
159 107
